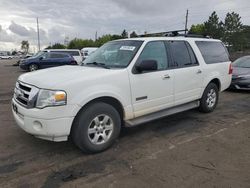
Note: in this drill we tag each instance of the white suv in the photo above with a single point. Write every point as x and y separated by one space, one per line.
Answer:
125 82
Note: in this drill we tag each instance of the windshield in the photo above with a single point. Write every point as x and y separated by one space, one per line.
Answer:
243 62
114 54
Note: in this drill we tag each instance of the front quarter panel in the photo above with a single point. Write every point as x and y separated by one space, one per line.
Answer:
115 85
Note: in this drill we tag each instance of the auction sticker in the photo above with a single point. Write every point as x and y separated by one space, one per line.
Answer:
130 48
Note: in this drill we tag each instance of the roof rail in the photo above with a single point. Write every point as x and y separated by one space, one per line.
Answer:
174 33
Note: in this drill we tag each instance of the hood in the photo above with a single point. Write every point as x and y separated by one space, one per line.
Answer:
237 71
52 77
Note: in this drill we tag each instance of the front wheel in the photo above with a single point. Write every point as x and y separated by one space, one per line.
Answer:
209 99
96 127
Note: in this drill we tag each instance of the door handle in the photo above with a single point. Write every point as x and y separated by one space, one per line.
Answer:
199 71
166 77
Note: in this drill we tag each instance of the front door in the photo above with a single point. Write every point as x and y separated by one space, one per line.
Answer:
153 91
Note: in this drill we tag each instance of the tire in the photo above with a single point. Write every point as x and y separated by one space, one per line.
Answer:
92 124
33 67
209 99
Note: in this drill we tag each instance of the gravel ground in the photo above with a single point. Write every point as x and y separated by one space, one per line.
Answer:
189 149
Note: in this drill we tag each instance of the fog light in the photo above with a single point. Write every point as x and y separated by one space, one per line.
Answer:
37 125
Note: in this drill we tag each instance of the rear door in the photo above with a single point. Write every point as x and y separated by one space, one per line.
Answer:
188 73
55 59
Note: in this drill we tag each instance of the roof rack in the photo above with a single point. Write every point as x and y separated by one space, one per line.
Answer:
174 33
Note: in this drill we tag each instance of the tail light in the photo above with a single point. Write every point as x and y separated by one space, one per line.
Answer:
230 69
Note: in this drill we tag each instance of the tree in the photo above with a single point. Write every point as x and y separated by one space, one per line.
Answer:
25 46
56 46
233 31
213 27
14 52
102 40
81 43
198 29
133 35
124 34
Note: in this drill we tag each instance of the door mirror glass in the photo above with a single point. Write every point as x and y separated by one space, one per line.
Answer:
146 65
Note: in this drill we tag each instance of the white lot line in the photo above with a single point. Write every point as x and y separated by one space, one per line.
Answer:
172 146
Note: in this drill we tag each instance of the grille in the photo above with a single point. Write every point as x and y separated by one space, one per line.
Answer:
25 94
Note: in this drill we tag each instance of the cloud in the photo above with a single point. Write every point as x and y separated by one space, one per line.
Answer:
21 30
4 36
82 18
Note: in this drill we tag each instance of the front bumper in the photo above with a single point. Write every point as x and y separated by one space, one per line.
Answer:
24 66
242 84
49 127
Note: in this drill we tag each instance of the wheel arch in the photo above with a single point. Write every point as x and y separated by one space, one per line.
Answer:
106 99
217 82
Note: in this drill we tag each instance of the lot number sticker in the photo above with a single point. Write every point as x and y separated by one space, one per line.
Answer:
130 48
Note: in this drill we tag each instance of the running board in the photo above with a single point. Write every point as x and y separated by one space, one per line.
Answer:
161 114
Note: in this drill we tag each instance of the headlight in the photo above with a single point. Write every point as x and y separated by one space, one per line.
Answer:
51 98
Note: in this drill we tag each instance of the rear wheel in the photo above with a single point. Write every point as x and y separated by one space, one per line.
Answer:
209 98
96 127
33 67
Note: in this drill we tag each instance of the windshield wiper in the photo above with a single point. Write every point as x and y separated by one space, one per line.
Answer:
99 65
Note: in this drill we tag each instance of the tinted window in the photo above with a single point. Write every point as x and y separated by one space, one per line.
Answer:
74 53
192 55
55 55
181 54
213 52
155 51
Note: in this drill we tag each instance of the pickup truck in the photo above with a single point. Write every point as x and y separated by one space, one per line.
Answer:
124 83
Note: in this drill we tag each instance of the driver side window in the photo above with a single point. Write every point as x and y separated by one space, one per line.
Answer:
155 50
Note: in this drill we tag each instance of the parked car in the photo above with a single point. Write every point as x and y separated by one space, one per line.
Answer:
241 74
6 57
125 82
45 60
75 53
87 51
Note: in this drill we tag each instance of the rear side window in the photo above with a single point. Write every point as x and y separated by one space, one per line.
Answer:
55 55
183 54
213 52
74 53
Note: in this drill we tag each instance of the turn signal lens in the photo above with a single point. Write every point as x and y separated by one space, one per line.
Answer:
60 96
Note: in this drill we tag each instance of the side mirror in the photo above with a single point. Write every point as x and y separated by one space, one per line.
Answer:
41 58
146 65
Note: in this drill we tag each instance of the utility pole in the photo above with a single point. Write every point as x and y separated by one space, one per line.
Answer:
95 35
38 35
186 22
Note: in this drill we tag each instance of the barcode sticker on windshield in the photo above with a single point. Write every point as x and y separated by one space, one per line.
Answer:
130 48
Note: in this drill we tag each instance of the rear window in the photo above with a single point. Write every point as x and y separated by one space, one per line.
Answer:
213 52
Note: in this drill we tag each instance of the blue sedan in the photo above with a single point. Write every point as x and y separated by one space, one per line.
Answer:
45 60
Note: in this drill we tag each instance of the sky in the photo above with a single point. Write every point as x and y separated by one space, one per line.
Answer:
59 19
